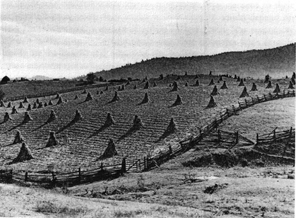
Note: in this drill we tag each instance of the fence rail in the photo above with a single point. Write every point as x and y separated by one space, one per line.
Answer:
147 162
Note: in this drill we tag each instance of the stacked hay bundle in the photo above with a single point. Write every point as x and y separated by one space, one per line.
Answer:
178 101
211 82
224 86
88 97
27 117
145 99
21 105
60 101
26 100
171 128
34 105
40 105
146 85
214 91
269 86
57 96
52 141
241 83
137 123
7 117
110 151
115 98
78 116
291 85
196 83
211 103
29 107
52 116
109 120
24 154
277 89
13 110
244 93
175 86
18 137
254 87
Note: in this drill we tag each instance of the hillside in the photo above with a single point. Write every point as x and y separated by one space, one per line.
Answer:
85 140
277 62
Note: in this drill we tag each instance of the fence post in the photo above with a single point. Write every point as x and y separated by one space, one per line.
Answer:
79 175
246 102
227 112
144 163
139 164
219 136
102 166
53 178
123 165
26 176
11 174
236 137
257 138
274 135
290 135
170 149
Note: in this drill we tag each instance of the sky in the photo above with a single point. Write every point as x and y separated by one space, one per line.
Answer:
69 38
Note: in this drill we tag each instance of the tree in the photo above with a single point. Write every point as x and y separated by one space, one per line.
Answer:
91 77
5 80
2 94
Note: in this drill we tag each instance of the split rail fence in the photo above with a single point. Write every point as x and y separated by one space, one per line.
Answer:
148 162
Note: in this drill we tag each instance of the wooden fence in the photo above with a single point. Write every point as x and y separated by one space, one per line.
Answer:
276 136
148 162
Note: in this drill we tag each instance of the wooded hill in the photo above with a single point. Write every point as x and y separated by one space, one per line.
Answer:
277 62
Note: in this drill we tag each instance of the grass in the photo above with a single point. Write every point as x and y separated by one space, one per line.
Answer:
48 207
247 193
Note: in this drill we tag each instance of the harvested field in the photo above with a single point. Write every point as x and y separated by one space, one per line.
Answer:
82 142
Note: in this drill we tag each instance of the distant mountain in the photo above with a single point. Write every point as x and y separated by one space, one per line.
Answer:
277 62
40 77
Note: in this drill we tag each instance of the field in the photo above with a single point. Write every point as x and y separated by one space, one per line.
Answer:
82 142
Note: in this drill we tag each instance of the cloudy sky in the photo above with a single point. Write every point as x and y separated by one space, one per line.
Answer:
68 38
